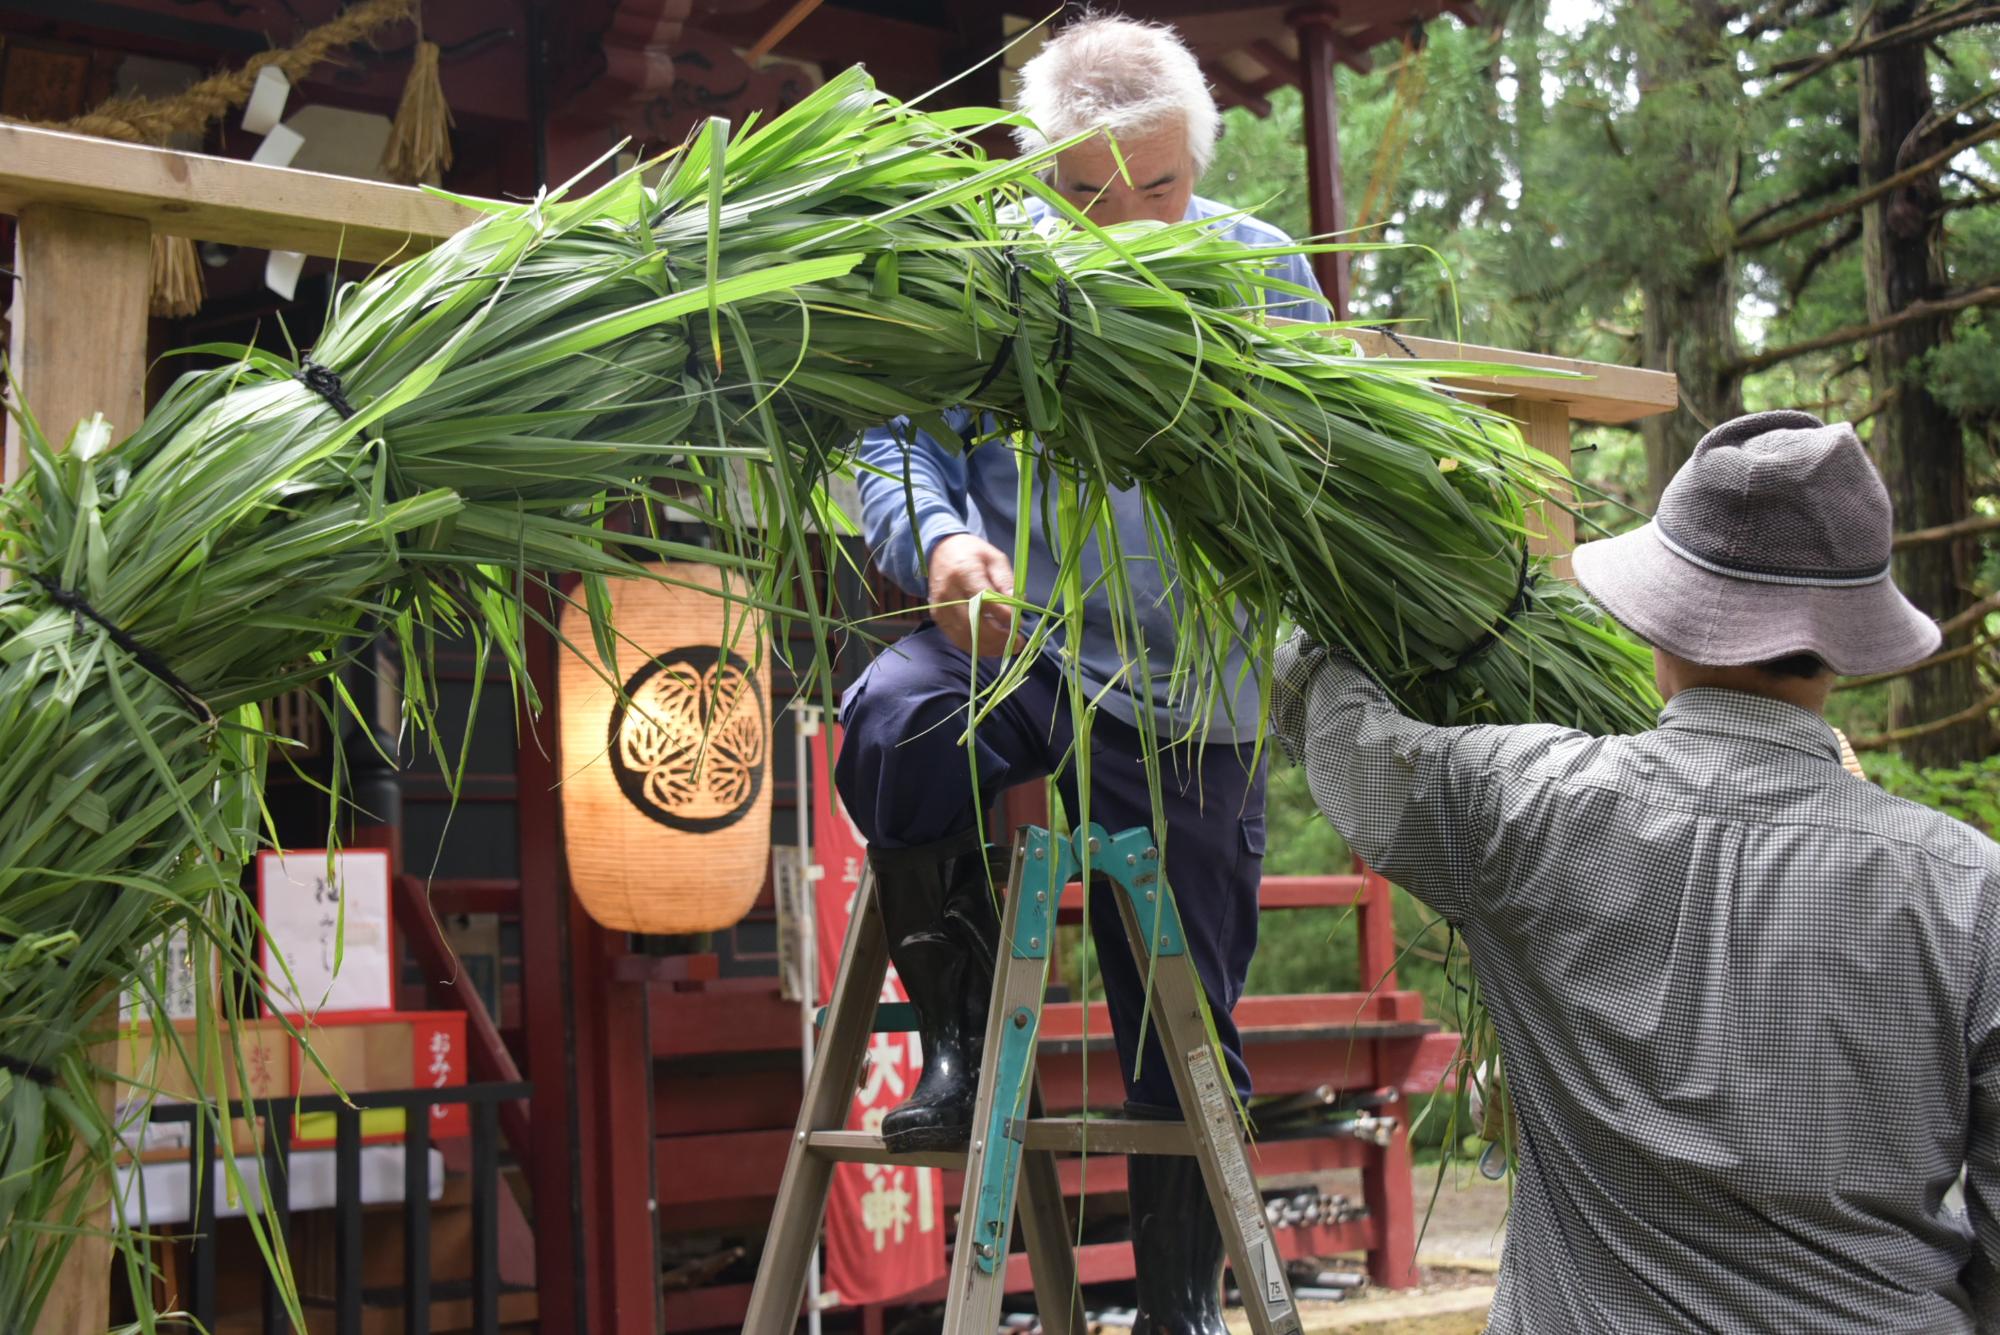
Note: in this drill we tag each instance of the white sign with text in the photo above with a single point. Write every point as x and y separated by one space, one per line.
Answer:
336 966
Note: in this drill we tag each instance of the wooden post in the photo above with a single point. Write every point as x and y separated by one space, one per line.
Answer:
79 347
80 1298
1322 116
1546 427
1386 1189
79 321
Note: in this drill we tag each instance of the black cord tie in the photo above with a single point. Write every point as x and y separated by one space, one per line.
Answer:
326 384
73 602
1395 338
1006 348
1065 336
1514 609
41 1075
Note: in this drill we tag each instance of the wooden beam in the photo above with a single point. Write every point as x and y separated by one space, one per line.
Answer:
1210 28
780 30
1608 394
1350 49
835 36
221 199
1273 58
1353 48
1235 91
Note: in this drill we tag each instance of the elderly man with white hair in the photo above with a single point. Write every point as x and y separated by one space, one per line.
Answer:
943 530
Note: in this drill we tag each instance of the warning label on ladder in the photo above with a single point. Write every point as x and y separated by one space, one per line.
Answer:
1244 1201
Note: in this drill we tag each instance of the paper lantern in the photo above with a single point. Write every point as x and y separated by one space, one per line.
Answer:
666 791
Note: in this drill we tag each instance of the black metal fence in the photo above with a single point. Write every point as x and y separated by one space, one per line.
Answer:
418 1291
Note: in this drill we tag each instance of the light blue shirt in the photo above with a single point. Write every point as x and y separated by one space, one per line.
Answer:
952 492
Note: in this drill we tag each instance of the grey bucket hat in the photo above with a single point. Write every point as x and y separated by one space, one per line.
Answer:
1772 540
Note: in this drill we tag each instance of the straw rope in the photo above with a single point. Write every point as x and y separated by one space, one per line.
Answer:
154 121
176 277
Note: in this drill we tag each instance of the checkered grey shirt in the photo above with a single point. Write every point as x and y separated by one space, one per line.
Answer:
1745 1000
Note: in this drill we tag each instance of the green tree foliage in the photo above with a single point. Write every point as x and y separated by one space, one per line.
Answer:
1541 179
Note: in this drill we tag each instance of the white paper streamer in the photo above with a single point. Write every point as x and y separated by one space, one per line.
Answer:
267 100
280 146
281 272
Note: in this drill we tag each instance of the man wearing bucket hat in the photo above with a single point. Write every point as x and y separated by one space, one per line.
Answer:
1749 1003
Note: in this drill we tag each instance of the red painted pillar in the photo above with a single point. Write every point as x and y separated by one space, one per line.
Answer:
1385 1176
1314 26
546 1014
1386 1191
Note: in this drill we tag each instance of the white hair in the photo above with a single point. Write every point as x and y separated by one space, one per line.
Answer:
1118 75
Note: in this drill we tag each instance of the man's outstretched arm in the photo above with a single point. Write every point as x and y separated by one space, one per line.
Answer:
1425 806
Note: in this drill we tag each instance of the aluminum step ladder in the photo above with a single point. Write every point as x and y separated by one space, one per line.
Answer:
1012 1155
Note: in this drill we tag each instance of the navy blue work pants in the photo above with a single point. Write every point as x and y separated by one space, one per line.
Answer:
903 775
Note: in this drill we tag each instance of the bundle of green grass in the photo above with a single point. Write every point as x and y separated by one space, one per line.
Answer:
703 337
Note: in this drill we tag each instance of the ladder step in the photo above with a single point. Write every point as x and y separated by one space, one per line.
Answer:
867 1147
1058 1135
1108 1135
891 1017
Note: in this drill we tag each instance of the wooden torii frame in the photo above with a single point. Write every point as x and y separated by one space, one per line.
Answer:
87 210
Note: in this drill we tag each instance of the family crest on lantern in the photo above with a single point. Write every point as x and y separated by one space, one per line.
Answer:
666 803
688 741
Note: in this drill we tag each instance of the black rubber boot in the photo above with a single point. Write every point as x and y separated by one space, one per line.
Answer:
1176 1247
937 909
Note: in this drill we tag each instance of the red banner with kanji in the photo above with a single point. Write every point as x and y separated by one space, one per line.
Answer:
884 1222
